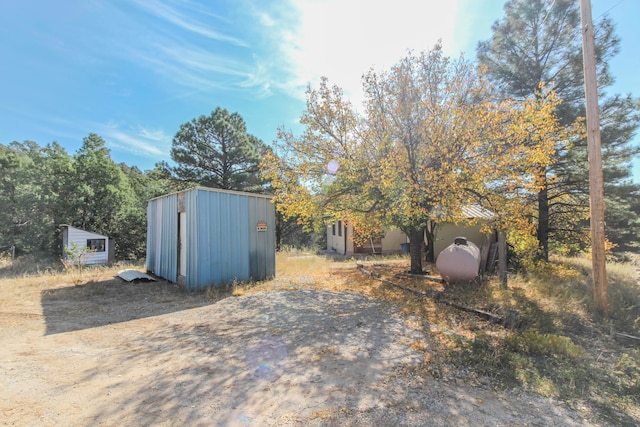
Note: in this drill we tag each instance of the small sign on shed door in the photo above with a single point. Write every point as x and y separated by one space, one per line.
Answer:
262 226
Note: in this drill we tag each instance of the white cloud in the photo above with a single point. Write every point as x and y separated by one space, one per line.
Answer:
195 58
173 16
259 79
343 39
266 20
189 65
138 140
192 62
154 134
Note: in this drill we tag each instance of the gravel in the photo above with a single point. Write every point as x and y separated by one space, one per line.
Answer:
279 358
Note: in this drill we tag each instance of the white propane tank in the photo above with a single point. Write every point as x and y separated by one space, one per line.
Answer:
460 261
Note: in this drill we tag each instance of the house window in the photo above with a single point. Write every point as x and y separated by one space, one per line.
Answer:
339 228
334 228
96 245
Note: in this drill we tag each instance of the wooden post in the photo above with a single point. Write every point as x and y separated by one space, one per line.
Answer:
502 259
596 184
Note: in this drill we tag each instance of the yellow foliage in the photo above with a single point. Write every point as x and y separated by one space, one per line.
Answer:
430 140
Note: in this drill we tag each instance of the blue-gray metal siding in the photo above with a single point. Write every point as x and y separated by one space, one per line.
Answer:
217 238
262 244
223 243
162 237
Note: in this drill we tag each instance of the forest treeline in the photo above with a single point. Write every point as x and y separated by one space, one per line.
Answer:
503 131
42 187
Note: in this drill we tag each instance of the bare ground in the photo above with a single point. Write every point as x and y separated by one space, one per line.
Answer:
114 353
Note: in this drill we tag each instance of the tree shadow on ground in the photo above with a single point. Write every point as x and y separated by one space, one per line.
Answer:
303 357
541 353
262 359
100 303
564 351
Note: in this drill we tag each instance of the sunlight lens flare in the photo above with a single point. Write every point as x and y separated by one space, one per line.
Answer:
266 360
332 167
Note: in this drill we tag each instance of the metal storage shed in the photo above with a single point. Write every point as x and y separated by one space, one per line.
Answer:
206 237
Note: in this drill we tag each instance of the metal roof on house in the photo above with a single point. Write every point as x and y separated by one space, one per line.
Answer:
476 211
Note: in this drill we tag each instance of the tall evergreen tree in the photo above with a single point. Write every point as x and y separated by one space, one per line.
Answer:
59 191
104 201
22 213
100 186
216 151
539 41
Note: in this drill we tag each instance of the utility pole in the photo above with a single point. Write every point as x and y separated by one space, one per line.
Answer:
596 184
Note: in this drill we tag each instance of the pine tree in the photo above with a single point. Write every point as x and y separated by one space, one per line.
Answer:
216 151
22 213
539 41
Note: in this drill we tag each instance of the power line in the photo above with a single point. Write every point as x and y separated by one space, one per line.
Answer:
610 9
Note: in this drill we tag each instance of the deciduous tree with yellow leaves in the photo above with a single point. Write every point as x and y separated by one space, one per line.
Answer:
430 140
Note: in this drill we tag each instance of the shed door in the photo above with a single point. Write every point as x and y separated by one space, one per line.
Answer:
182 244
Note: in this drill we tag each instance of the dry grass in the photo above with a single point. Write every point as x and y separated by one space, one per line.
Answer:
563 347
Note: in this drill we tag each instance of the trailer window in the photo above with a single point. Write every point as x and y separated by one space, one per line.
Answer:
96 245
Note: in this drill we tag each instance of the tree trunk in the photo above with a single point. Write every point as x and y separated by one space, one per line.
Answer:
430 234
278 233
502 259
281 229
543 217
416 240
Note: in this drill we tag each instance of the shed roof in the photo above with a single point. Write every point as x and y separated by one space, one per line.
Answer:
217 190
84 231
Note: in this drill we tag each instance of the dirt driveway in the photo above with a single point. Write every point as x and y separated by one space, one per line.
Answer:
112 353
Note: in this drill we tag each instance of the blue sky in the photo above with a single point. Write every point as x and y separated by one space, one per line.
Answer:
133 71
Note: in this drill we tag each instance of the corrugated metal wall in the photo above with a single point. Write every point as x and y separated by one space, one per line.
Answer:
217 238
223 243
262 244
162 237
